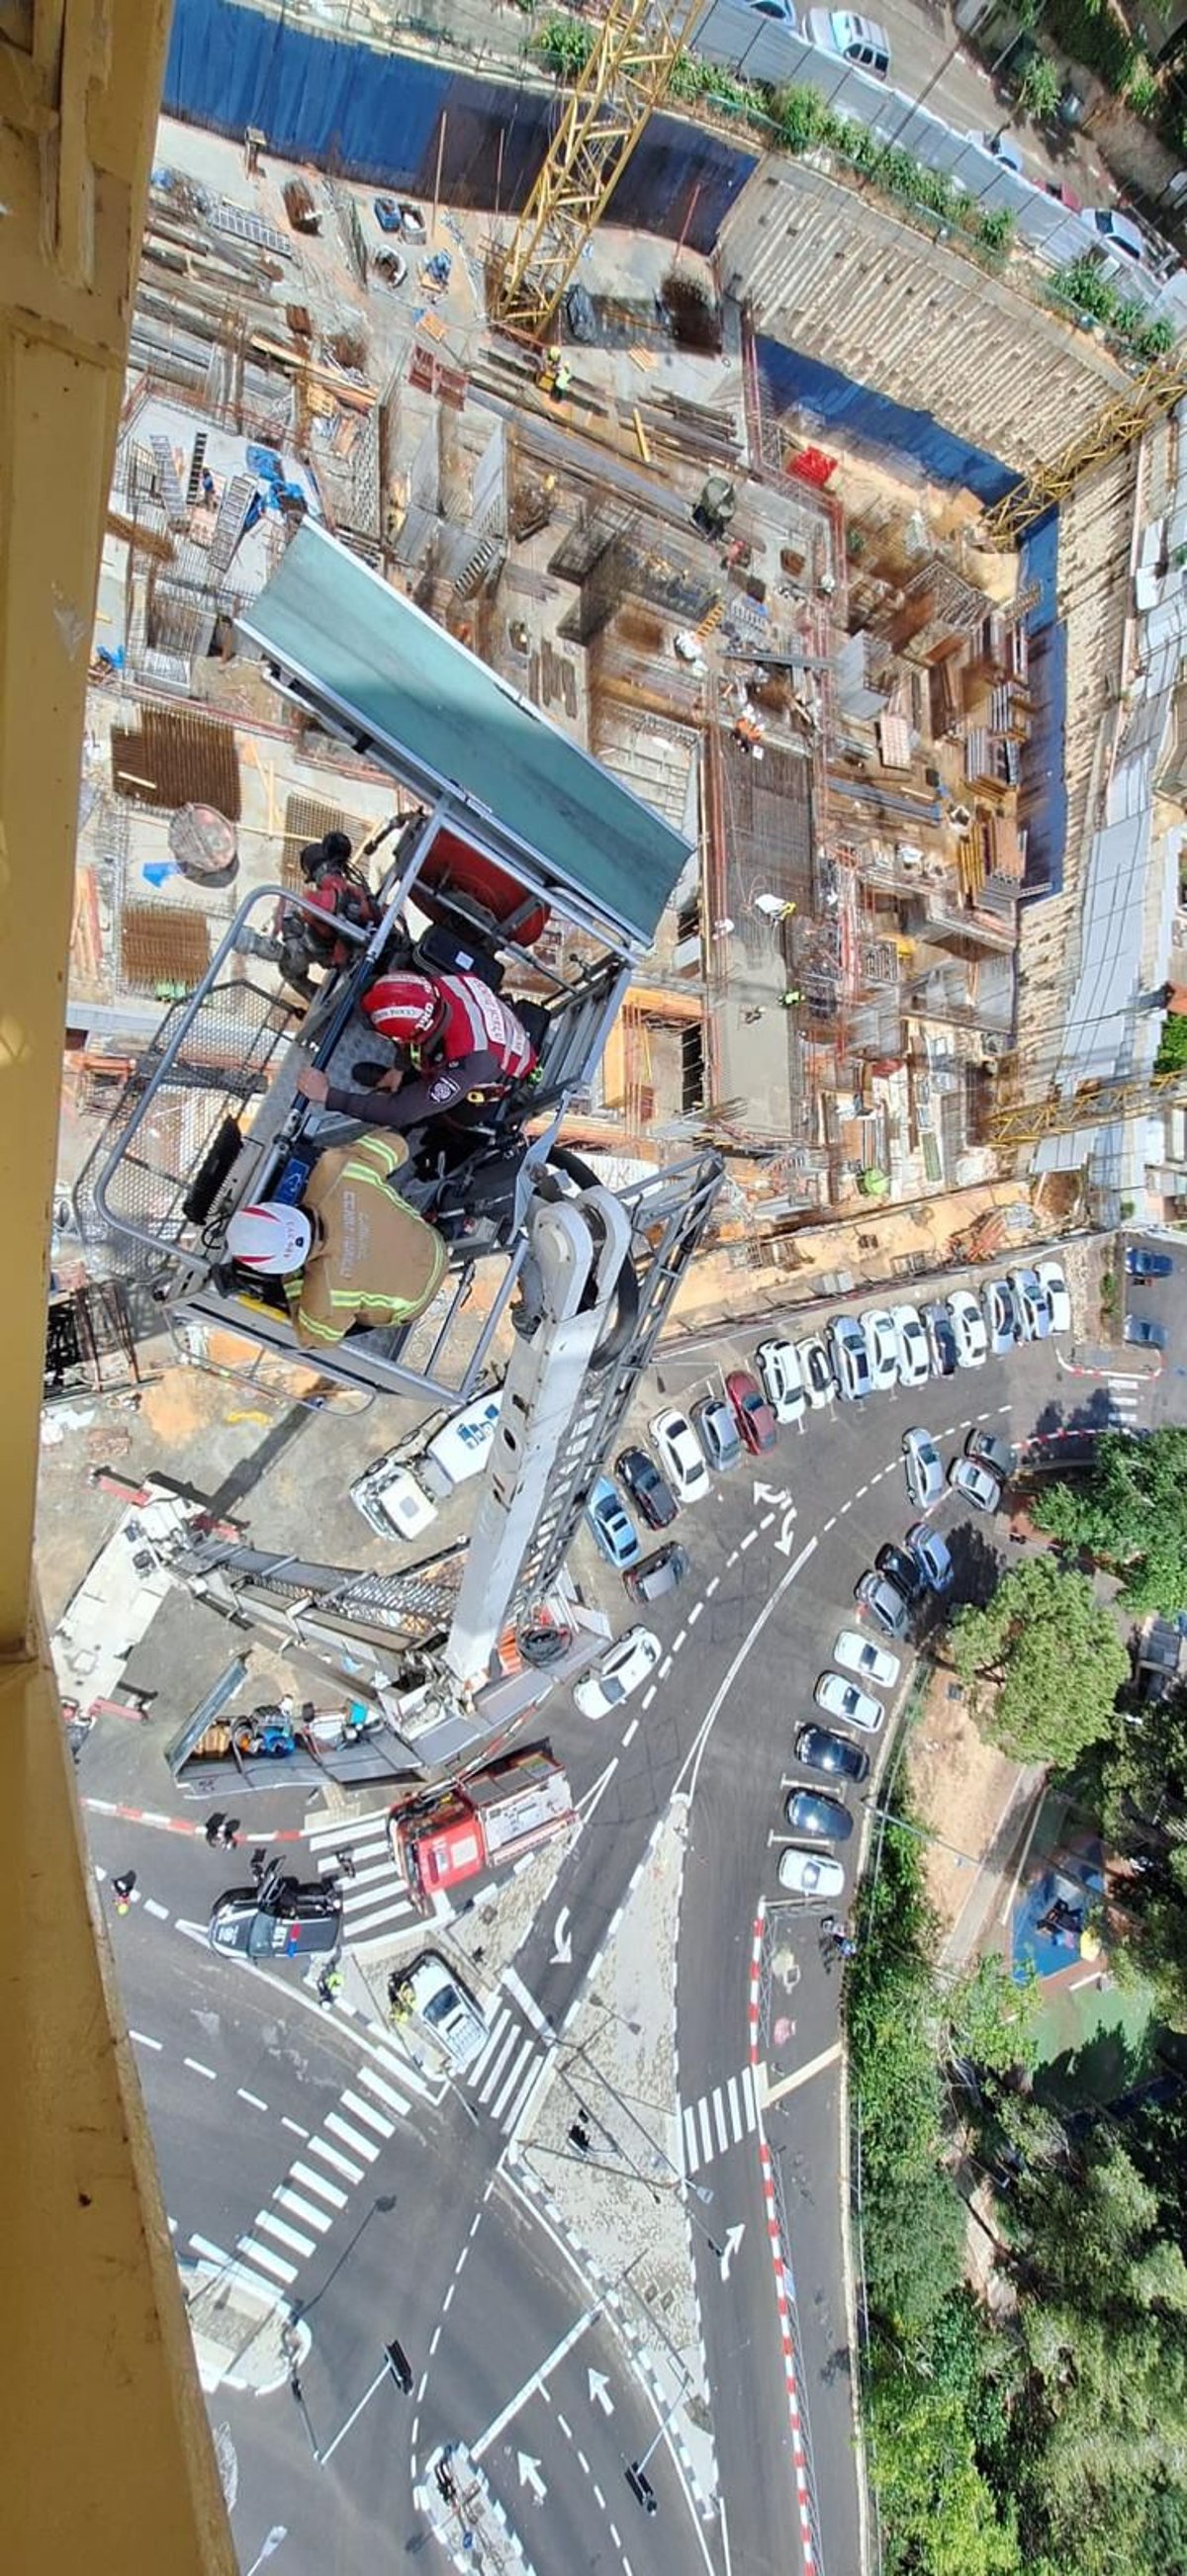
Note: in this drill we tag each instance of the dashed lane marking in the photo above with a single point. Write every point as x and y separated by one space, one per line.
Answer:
748 1541
678 1641
196 2068
253 2098
142 2040
294 2125
630 1734
698 1606
710 1588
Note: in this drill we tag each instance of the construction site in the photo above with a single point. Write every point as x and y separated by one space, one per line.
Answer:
814 667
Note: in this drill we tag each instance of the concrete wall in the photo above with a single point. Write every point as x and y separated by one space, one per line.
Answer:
838 277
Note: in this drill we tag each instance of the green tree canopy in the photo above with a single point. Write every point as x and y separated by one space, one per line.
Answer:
1042 1664
991 2017
1131 1511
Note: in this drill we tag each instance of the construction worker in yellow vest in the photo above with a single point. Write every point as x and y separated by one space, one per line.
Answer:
352 1252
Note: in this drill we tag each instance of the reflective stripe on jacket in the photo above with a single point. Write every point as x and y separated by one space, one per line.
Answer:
376 1262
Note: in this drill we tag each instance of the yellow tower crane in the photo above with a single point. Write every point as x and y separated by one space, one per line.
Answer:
1122 420
1026 1122
627 76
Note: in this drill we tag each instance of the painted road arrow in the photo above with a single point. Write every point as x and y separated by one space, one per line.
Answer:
599 2392
786 1539
730 2248
562 1947
529 2476
768 1494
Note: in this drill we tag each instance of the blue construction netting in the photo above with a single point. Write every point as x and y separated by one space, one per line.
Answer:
791 381
1043 791
377 117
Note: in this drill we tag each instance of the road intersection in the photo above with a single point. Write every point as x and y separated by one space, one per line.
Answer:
308 2148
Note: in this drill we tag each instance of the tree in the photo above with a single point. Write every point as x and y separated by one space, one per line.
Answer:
1131 1511
1039 88
991 2017
1042 1665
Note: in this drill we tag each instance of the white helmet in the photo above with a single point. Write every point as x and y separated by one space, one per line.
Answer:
270 1237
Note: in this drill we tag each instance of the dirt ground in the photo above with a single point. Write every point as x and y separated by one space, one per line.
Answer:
962 1788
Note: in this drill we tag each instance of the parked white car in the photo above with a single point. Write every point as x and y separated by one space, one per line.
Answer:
680 1455
881 1341
806 1873
816 1370
914 1357
850 1358
871 1663
1054 1282
850 39
445 2005
623 1670
844 1699
968 1324
1030 1303
781 1380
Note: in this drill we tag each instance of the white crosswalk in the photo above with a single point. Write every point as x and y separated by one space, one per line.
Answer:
319 2181
502 2076
1123 1397
375 1902
719 2120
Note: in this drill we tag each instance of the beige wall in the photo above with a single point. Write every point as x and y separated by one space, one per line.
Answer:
110 2469
834 274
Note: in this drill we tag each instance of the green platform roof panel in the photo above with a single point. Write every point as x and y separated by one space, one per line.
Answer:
437 717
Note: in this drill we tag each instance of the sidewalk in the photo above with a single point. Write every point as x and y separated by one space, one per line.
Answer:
599 2153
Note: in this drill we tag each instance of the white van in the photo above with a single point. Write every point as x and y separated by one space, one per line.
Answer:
461 1448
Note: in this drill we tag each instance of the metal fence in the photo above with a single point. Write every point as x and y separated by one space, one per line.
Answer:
759 51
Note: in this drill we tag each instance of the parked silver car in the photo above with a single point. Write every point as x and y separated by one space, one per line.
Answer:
923 1469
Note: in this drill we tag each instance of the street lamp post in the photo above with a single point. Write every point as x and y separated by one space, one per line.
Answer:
922 1833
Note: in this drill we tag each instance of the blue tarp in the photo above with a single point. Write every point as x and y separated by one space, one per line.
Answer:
790 379
377 117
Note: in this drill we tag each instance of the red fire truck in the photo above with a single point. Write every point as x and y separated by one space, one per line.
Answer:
485 1822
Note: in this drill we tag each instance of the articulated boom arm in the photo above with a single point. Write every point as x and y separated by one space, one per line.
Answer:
578 1252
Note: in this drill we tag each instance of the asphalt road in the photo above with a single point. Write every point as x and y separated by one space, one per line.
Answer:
293 2146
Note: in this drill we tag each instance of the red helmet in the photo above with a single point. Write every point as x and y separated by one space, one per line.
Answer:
404 1007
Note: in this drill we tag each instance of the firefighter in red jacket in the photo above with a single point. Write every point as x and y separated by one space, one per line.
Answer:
458 1042
303 939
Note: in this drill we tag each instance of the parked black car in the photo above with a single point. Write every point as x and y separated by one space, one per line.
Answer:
820 1750
903 1569
941 1340
649 1491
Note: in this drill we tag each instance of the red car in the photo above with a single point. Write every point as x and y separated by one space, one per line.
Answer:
750 1410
